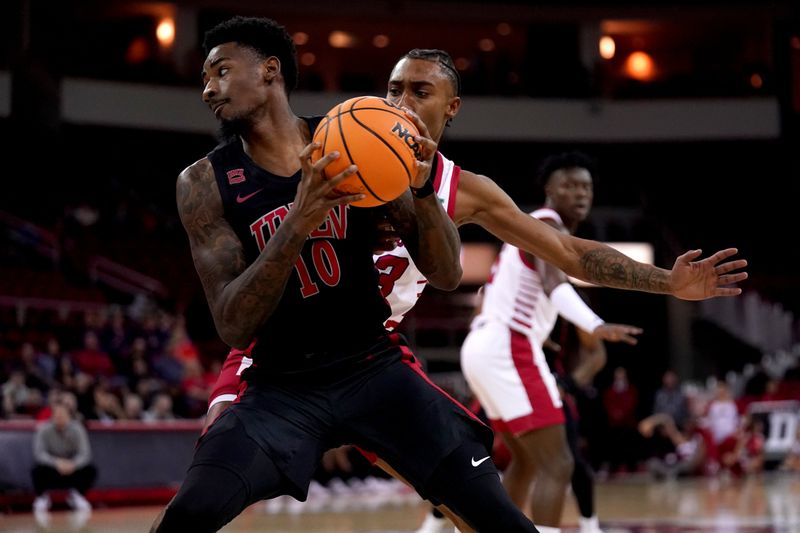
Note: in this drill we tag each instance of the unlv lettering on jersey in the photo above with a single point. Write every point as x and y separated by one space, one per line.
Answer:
334 227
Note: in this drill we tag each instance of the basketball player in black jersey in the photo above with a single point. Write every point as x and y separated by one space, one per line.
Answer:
287 269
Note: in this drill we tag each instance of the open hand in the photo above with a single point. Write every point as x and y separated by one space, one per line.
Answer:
707 278
617 333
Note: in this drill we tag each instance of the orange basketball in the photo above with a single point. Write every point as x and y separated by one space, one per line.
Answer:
376 136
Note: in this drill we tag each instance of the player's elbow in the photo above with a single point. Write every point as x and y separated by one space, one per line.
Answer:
234 337
235 324
446 279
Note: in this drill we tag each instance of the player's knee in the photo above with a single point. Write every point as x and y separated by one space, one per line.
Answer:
561 466
485 505
187 514
522 467
556 465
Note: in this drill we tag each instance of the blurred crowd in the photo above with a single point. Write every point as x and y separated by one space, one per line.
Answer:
112 363
718 428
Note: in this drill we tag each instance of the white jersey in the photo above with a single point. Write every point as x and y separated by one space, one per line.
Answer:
400 280
514 294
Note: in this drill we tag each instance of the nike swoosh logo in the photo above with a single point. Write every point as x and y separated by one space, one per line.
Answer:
476 463
240 198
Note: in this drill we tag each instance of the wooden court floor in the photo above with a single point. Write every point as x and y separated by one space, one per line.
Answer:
770 503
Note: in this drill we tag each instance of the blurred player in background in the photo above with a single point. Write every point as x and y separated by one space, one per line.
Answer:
574 377
502 356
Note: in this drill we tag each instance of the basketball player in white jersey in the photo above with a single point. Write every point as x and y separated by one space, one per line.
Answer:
426 82
502 357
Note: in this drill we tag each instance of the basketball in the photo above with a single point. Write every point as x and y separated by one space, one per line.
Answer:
376 136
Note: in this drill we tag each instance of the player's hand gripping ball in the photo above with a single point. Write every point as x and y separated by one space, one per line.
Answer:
378 138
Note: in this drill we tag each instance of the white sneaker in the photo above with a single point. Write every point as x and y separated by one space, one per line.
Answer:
78 520
589 525
277 504
434 524
42 503
76 501
42 519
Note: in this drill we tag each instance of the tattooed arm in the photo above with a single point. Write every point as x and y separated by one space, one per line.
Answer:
241 297
428 233
479 200
430 236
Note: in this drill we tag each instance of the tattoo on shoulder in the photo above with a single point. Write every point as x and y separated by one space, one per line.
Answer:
197 198
210 235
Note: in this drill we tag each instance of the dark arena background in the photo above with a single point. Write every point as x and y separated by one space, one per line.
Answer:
691 110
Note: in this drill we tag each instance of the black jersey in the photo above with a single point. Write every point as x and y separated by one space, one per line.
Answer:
331 308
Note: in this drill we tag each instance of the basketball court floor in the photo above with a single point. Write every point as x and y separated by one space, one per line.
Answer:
769 503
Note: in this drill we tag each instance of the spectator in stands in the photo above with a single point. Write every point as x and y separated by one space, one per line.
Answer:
115 338
722 421
107 407
195 388
160 409
620 401
747 457
65 372
156 329
34 378
179 344
47 361
94 320
16 395
671 400
141 380
772 391
133 406
53 395
62 457
69 399
35 403
91 359
83 387
689 448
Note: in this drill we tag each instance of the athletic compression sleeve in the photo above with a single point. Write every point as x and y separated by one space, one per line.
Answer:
573 308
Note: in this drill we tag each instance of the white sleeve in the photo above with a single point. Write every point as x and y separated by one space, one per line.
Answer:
572 307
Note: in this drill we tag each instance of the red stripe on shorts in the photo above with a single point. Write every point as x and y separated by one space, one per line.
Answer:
545 413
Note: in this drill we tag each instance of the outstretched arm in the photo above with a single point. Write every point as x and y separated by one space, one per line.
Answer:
242 297
572 307
482 202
